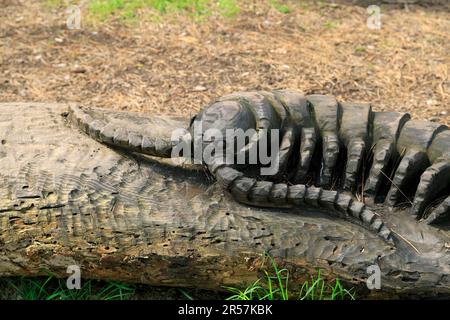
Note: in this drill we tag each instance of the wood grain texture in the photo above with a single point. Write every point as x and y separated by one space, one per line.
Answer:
66 199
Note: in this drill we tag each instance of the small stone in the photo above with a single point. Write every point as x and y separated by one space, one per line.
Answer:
200 88
444 113
59 40
78 69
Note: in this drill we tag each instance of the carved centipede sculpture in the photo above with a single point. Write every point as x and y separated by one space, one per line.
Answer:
320 140
380 171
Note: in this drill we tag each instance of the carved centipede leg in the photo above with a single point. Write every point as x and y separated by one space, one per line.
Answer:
439 214
415 137
386 129
413 163
354 133
307 147
435 181
302 118
326 110
286 147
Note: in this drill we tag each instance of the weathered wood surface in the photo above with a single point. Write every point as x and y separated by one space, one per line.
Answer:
66 199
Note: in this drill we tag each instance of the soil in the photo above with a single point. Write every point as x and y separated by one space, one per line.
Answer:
177 64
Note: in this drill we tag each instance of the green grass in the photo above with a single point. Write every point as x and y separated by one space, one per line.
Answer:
272 285
318 289
228 8
185 294
330 25
51 288
275 286
360 49
129 9
104 9
281 7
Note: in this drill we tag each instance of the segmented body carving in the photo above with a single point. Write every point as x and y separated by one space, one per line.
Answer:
333 155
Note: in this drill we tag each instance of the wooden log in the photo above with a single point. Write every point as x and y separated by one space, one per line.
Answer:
66 199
